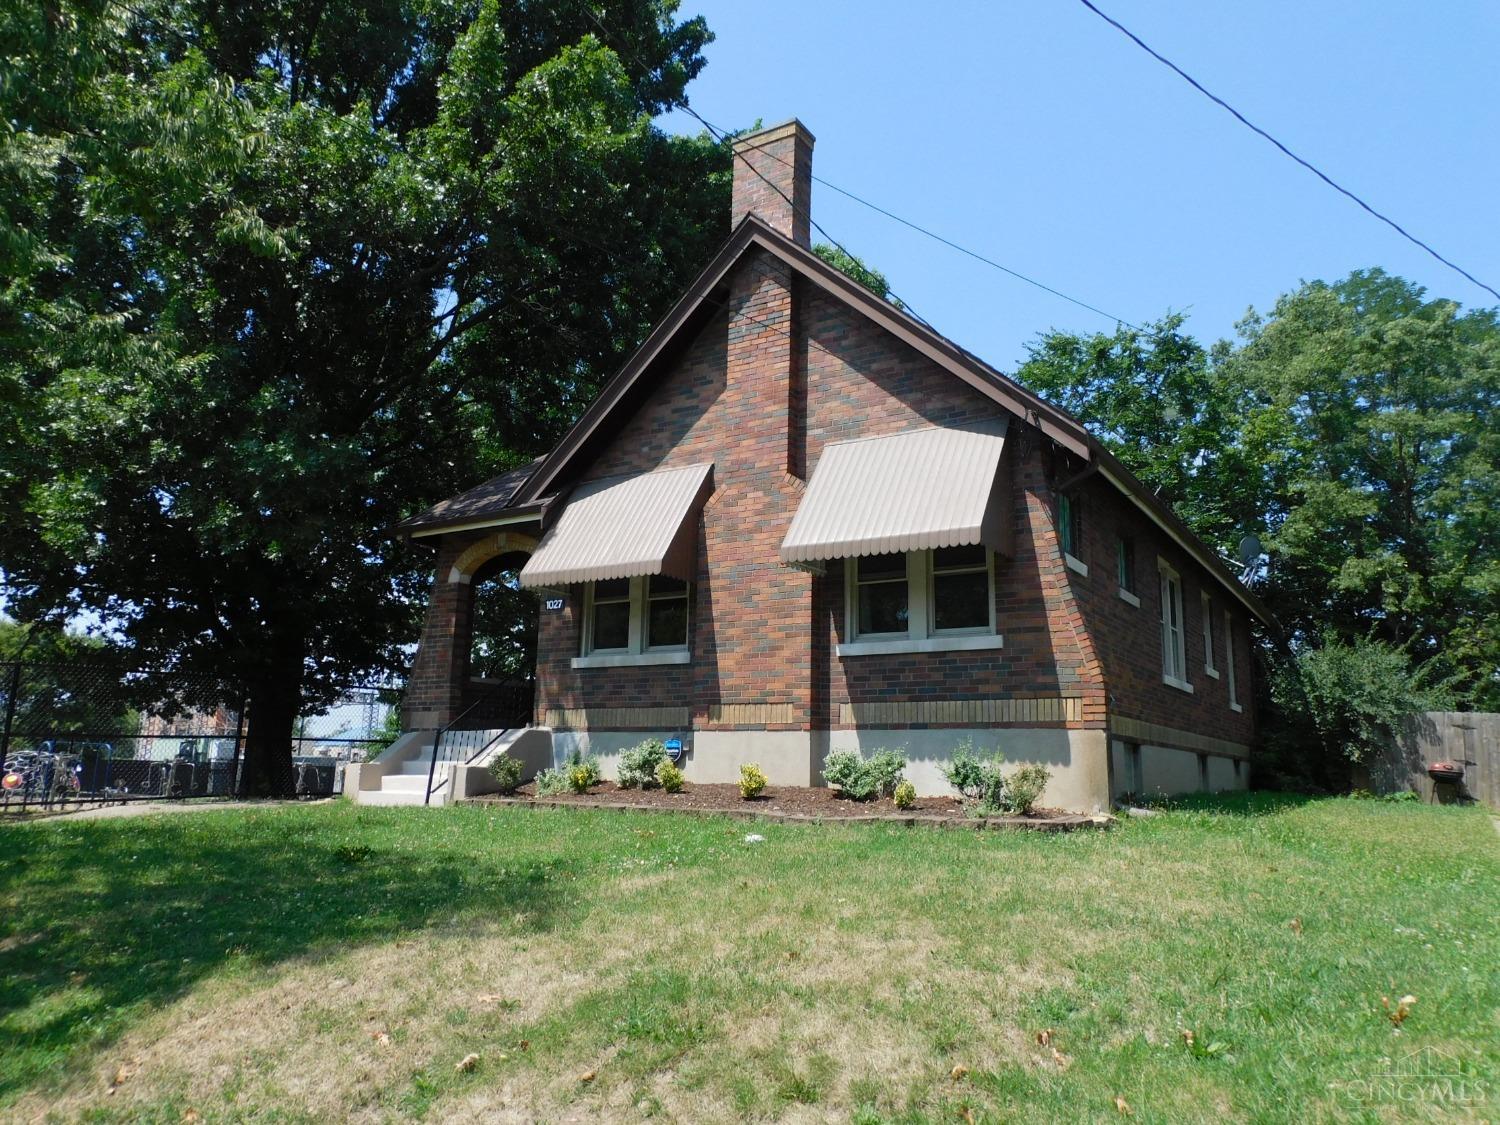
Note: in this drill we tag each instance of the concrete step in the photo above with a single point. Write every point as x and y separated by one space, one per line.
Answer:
418 766
390 797
404 783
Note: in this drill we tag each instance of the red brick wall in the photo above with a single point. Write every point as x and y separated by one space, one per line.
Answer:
755 621
726 402
1129 639
435 689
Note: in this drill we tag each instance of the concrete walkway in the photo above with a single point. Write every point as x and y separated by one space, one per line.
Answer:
152 808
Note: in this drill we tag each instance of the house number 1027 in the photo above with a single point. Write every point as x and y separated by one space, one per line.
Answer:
553 604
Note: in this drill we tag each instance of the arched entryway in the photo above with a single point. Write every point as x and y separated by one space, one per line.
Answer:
474 592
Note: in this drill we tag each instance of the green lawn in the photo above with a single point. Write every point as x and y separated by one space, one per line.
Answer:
320 962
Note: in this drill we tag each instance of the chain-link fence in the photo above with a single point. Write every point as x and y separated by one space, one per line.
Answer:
81 733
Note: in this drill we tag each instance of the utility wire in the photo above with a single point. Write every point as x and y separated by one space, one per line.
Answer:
723 137
1243 120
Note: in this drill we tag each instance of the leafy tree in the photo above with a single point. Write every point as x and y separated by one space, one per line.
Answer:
277 276
1353 429
1169 408
1374 427
63 684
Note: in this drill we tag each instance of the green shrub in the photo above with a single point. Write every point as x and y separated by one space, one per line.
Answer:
507 772
905 794
577 775
638 765
549 783
1023 787
845 770
861 780
978 780
581 777
669 777
886 767
752 781
1351 698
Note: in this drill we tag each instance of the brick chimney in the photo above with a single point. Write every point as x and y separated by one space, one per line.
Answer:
781 155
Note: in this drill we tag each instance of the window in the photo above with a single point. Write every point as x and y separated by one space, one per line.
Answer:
635 621
1208 636
884 596
610 619
666 612
1234 693
1125 569
1173 658
961 589
1135 777
921 601
1070 532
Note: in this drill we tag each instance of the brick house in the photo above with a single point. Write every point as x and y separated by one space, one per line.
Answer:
799 520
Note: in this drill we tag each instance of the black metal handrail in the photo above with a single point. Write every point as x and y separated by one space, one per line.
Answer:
504 707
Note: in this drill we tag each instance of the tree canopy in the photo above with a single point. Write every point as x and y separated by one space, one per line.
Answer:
275 276
1352 428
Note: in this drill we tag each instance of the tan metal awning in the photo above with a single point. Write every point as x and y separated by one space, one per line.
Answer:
934 487
624 526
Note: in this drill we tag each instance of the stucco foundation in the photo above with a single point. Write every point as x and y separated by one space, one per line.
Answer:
1080 769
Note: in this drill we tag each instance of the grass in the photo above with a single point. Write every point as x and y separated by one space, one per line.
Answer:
319 962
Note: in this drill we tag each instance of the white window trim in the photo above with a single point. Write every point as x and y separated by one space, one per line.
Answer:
1128 597
920 613
1170 586
636 653
1229 671
1076 564
1207 607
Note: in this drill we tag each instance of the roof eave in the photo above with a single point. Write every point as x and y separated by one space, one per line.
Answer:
526 513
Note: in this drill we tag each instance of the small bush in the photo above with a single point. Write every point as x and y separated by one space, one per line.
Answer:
669 777
978 780
507 773
752 781
1023 787
577 775
861 780
886 767
638 765
905 794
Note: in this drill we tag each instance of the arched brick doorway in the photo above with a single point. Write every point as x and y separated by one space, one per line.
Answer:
441 684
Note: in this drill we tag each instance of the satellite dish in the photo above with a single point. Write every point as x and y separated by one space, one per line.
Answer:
1250 549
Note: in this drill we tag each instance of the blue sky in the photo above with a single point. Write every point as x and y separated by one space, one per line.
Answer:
1036 134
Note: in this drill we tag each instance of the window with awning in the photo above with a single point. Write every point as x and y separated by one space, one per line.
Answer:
921 490
624 527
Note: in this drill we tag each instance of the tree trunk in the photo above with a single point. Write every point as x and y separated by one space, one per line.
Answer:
271 717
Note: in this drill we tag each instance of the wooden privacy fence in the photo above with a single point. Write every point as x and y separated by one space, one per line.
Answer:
1467 738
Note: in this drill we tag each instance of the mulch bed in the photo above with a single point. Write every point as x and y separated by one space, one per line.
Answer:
794 804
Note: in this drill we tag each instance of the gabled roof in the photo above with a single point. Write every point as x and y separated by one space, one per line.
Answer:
703 298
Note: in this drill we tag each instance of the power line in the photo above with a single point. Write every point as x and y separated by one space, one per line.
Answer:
976 255
1243 120
723 137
